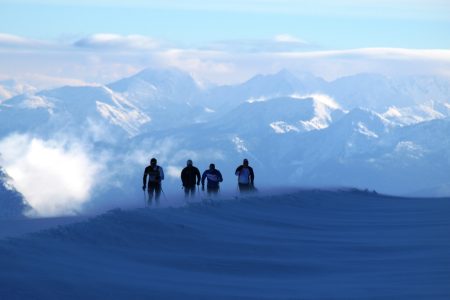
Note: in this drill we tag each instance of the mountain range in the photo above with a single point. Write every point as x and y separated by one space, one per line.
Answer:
365 131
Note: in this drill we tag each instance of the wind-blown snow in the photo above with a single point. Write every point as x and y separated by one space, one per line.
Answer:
47 169
410 149
239 144
415 114
323 107
283 127
34 102
365 131
306 245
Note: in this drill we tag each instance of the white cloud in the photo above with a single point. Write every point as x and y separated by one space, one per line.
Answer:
115 41
286 38
56 178
174 171
111 57
279 43
10 40
375 53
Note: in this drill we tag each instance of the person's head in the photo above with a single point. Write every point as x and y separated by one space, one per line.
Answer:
153 161
189 162
212 166
245 162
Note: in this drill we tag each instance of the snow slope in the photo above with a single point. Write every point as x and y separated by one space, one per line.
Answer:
305 245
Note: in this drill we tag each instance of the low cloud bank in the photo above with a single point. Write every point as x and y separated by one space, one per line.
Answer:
56 178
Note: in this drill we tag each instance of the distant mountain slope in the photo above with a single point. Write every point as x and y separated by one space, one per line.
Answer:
152 87
11 88
262 247
377 92
12 204
288 125
72 109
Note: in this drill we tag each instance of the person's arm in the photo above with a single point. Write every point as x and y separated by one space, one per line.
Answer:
161 173
144 179
183 177
220 176
238 171
203 178
197 174
252 175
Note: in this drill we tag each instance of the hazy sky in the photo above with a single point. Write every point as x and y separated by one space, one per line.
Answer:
220 41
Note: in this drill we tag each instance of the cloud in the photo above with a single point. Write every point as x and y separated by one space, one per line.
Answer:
286 38
376 53
110 57
56 178
115 41
279 43
18 42
9 40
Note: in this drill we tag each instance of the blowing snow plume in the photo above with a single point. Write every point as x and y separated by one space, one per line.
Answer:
54 177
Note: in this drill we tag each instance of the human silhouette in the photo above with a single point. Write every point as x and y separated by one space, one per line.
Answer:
214 177
245 176
155 175
190 176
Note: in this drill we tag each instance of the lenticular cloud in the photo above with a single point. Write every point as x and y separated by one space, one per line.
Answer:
55 178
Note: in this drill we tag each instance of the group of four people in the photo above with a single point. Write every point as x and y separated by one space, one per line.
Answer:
190 178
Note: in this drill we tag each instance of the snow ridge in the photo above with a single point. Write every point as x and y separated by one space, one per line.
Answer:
260 247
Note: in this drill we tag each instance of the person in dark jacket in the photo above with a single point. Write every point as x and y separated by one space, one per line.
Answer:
214 177
155 175
190 176
245 176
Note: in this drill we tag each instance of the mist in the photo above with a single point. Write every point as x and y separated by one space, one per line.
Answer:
55 177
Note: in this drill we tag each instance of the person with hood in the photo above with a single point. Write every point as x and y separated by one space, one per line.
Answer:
214 177
155 175
245 176
190 176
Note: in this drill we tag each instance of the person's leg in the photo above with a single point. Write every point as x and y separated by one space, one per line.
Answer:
213 191
151 190
192 191
157 193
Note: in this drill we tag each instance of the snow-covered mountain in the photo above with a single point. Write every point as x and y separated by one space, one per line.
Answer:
377 92
417 114
261 87
75 110
364 147
11 88
12 204
153 87
296 130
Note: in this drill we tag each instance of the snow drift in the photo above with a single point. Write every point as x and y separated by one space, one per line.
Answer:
305 245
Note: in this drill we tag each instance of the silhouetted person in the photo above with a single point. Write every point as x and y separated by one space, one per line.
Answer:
246 177
155 175
190 176
214 177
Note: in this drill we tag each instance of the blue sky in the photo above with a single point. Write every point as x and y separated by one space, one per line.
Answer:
217 36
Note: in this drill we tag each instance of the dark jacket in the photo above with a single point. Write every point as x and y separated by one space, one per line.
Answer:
190 176
213 176
155 175
245 174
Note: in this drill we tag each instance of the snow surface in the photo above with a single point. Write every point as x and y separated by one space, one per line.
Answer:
308 244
